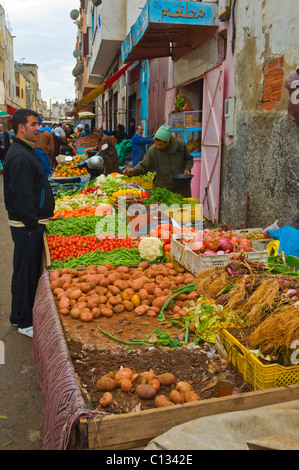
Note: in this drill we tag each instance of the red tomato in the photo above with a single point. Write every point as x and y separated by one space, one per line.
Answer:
167 248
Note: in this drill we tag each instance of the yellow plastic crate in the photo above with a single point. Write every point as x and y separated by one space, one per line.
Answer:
186 214
256 374
145 184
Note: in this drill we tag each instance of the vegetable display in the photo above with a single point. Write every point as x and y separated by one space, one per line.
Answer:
118 257
216 242
115 288
151 249
84 226
69 247
147 385
65 169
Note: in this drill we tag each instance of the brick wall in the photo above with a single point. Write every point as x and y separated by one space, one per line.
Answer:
273 81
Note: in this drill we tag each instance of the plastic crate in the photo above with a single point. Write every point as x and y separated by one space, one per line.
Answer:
186 214
145 184
258 245
259 376
196 263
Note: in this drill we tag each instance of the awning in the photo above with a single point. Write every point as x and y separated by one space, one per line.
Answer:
168 28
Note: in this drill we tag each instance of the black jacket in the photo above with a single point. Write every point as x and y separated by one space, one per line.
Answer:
27 193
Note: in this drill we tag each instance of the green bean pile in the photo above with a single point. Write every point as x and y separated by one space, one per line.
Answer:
118 257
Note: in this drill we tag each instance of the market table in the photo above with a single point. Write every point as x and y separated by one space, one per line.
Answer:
70 424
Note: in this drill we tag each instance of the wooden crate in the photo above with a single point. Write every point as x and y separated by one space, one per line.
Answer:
135 430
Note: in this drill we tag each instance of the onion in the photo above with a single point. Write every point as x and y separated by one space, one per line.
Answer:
226 245
292 292
209 252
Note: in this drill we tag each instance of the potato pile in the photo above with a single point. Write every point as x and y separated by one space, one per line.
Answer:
146 385
107 290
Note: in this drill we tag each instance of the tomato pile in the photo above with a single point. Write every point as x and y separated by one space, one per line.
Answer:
62 247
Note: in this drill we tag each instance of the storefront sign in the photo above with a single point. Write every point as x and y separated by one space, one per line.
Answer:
168 13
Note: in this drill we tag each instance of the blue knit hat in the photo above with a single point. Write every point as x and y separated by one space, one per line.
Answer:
163 133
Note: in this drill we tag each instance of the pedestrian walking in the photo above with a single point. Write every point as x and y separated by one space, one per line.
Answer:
4 143
168 156
139 144
29 203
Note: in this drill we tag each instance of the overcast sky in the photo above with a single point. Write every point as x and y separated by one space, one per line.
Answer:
45 36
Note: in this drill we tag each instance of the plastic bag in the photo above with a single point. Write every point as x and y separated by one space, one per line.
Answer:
289 240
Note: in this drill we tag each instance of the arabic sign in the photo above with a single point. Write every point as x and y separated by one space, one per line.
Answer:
169 12
189 13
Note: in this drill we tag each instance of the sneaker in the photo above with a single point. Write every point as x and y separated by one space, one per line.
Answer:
13 324
26 331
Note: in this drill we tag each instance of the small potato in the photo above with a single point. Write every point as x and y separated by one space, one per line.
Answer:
141 310
138 379
105 282
64 311
106 312
166 379
122 285
191 396
126 385
122 269
115 300
124 373
155 383
148 375
96 312
128 293
75 312
149 287
86 315
106 400
76 294
176 397
162 401
105 384
151 313
114 276
184 386
146 391
128 305
135 299
119 308
114 290
143 294
143 265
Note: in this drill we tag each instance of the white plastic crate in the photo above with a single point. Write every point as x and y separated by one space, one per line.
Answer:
196 263
259 244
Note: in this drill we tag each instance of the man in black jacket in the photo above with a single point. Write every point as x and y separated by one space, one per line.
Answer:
30 203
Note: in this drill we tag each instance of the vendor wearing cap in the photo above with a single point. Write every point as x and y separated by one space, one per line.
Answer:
168 156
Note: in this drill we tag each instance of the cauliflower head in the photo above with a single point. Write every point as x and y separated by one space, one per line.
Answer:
151 249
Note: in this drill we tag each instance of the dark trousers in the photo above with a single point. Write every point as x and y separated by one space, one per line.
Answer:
27 258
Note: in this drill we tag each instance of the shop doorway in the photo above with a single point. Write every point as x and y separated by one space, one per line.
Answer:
206 96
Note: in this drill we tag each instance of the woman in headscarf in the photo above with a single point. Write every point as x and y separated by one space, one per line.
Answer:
110 164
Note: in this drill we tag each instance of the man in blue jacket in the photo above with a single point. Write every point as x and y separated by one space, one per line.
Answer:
29 203
139 144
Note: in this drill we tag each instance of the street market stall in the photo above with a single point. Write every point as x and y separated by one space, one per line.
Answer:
127 337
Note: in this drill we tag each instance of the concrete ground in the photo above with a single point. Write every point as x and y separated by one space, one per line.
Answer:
21 399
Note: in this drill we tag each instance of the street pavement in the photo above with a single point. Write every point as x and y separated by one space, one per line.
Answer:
21 400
